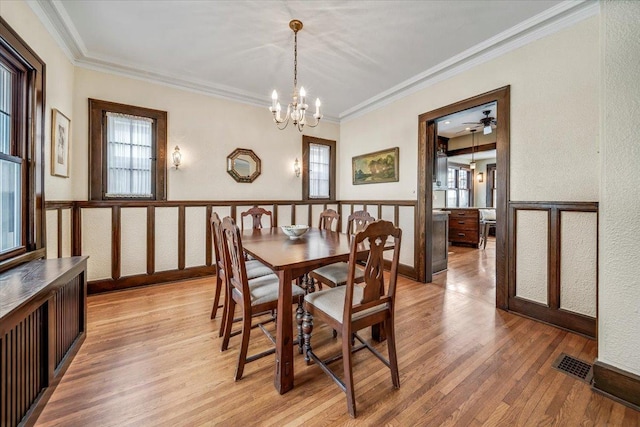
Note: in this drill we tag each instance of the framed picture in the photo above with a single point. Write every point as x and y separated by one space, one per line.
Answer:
373 168
60 128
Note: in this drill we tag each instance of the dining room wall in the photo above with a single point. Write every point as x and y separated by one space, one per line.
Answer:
207 129
59 78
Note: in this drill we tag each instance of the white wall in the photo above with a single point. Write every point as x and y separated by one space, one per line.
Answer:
59 84
553 127
207 129
619 285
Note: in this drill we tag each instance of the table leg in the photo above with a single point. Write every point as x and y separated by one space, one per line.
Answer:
283 381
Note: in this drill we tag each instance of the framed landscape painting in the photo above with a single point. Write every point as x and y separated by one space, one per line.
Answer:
60 127
377 167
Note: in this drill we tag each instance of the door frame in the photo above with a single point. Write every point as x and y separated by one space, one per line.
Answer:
426 153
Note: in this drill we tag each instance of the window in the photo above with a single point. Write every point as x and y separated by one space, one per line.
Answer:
458 187
491 185
128 152
318 169
21 138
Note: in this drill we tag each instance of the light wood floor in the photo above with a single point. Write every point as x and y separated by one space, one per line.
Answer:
152 358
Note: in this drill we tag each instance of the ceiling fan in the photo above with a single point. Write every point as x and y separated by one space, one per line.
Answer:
486 122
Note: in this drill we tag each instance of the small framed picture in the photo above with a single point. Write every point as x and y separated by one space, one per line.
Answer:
60 128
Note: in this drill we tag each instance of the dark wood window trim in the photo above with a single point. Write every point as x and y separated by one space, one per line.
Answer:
466 169
27 143
97 148
491 184
306 141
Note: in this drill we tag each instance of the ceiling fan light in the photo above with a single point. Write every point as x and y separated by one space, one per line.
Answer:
487 130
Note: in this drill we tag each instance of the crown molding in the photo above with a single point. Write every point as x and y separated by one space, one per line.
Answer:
552 20
54 17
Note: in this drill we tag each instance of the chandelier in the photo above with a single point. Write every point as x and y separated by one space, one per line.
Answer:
297 108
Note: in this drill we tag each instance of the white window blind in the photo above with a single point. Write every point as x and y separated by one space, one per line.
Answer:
129 155
319 162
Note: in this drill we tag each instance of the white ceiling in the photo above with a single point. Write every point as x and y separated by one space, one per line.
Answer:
351 54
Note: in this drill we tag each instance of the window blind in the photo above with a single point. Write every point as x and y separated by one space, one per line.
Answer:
319 162
129 155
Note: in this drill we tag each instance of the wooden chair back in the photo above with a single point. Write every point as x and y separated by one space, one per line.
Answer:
357 221
256 213
375 236
234 264
328 217
216 235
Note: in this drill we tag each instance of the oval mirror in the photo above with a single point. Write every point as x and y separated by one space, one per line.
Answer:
243 165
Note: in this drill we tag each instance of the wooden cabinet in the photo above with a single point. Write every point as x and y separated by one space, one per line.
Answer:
464 226
43 322
440 172
440 241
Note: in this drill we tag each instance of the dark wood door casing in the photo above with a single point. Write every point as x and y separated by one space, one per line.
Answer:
426 152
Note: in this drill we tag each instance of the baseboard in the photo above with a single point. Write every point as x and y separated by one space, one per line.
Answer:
107 285
620 385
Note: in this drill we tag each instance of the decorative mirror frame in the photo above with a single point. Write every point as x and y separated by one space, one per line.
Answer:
230 165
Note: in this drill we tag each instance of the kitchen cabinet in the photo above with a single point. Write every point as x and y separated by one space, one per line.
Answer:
440 172
464 226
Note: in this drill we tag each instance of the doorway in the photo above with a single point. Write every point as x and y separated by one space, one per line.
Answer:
427 165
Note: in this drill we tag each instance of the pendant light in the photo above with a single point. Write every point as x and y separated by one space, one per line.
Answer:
472 165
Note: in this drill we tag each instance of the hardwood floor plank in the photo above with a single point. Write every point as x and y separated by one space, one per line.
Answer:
152 358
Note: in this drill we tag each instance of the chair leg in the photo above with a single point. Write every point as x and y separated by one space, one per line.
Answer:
246 332
225 310
216 298
230 307
348 374
391 346
307 328
299 316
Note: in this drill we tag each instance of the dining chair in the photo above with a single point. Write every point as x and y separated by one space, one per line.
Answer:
335 274
254 269
256 213
487 221
328 218
255 296
353 307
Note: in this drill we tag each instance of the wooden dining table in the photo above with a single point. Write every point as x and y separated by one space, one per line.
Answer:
290 259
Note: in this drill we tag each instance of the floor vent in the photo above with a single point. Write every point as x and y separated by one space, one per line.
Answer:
574 367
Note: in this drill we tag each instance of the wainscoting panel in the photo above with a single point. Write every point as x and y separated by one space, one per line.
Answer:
532 255
65 233
134 243
166 238
196 235
406 221
553 269
284 215
96 242
133 237
578 265
52 233
302 215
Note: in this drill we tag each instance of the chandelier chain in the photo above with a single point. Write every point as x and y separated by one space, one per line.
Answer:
295 59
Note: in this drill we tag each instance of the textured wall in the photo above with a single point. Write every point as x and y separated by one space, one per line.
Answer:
207 129
532 254
133 241
554 120
578 269
619 295
59 87
96 242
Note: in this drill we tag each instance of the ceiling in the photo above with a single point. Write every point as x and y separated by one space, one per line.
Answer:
354 55
458 124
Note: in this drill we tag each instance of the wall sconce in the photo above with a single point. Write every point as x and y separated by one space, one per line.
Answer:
296 167
480 177
176 156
